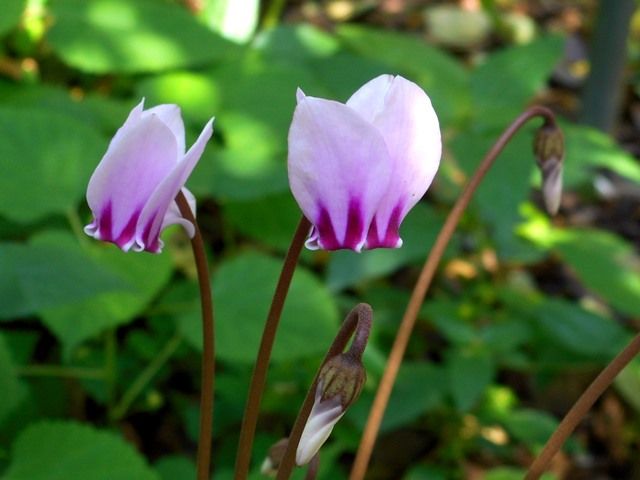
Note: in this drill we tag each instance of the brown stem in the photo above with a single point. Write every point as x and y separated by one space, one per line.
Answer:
208 343
581 407
312 469
399 347
250 418
358 319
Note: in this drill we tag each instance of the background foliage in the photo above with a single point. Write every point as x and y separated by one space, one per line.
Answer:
99 351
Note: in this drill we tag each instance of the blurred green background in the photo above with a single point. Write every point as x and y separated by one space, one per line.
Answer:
99 350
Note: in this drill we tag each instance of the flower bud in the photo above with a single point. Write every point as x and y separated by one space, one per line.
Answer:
339 385
274 458
549 150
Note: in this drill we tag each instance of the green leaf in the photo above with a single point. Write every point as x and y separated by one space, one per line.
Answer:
605 263
470 373
497 199
270 220
418 232
503 85
106 114
233 19
579 330
419 388
253 126
71 451
297 43
510 473
243 287
143 274
587 149
628 384
531 427
11 12
442 77
175 468
41 276
13 391
119 36
198 94
44 168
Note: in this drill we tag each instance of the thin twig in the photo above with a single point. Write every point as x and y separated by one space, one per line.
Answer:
252 408
208 343
399 347
359 319
581 408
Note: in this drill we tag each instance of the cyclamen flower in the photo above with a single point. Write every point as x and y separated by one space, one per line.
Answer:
132 191
356 169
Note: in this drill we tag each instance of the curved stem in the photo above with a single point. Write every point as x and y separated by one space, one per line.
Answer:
399 347
581 407
258 379
358 320
208 344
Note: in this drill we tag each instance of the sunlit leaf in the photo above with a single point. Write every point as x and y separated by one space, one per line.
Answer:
109 36
605 263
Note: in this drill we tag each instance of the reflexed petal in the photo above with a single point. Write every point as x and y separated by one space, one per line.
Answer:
127 175
152 219
411 131
339 169
172 118
322 419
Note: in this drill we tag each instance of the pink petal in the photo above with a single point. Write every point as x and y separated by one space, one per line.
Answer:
403 114
141 155
156 214
339 169
172 118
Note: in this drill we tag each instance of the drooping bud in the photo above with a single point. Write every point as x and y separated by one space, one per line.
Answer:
339 385
549 150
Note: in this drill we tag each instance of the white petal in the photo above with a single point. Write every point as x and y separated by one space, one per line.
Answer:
322 419
339 169
411 132
170 115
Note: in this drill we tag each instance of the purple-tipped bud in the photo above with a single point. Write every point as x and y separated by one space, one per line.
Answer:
549 150
339 385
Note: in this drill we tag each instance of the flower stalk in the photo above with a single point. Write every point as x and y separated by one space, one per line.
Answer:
208 343
258 379
407 324
581 408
